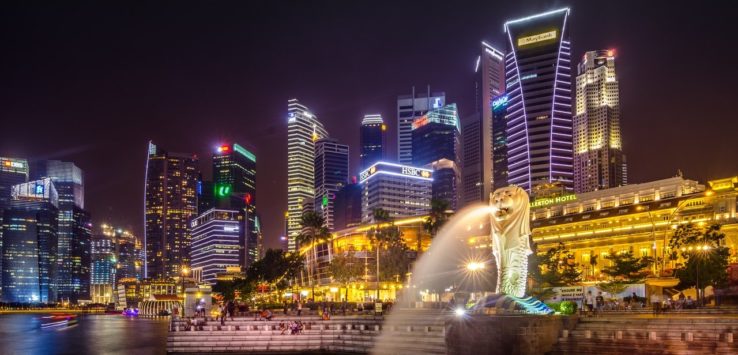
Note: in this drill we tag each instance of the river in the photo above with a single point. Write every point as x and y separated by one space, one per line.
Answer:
94 334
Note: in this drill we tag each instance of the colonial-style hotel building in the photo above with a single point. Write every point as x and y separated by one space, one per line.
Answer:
639 216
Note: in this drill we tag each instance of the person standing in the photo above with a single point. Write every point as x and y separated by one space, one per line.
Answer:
222 310
600 303
590 302
299 308
656 303
231 307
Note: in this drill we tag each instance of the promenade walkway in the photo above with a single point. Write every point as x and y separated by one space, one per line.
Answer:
415 331
705 332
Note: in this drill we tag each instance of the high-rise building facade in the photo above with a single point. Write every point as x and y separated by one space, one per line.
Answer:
102 273
599 162
478 128
401 190
13 171
170 202
410 107
216 243
74 232
347 206
29 251
436 143
372 140
303 130
331 174
499 141
234 183
205 195
124 248
538 86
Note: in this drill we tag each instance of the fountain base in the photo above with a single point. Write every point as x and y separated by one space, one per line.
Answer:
506 304
505 334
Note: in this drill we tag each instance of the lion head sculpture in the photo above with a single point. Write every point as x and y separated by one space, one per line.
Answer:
510 214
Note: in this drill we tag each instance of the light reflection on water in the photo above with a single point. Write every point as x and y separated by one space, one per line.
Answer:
95 334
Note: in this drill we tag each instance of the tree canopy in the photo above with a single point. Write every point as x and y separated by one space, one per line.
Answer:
706 260
626 267
554 268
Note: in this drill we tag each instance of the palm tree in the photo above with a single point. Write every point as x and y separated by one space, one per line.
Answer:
313 232
384 233
437 217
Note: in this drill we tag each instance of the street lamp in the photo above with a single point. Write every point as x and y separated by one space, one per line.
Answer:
185 271
700 250
474 266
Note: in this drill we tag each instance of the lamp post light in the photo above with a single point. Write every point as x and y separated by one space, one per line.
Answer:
185 271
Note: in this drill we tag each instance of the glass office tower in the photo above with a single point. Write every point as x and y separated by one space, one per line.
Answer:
170 202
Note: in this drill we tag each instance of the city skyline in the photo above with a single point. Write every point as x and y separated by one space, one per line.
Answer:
115 194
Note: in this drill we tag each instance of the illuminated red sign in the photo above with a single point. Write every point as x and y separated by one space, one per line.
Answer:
420 122
248 198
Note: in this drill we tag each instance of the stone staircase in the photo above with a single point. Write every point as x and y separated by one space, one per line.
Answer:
669 334
419 332
413 331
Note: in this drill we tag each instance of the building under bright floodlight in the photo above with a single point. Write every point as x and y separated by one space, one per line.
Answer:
303 130
401 190
599 162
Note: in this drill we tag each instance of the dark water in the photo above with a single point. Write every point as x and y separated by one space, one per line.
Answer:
95 334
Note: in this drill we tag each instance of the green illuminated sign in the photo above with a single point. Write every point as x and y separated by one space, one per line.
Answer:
325 200
244 152
222 190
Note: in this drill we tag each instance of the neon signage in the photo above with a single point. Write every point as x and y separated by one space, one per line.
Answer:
222 190
500 101
545 36
437 102
395 169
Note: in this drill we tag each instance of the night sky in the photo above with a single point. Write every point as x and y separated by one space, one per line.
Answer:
92 83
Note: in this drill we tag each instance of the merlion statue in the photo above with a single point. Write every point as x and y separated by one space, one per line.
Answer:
511 245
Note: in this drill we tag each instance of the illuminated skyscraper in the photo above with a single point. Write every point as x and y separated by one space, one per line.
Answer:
373 140
499 142
124 248
538 86
401 190
303 130
410 107
234 182
599 162
29 252
102 274
216 243
477 129
13 171
331 174
170 202
74 232
436 143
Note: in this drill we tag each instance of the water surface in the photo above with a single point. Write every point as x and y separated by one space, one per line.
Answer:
94 334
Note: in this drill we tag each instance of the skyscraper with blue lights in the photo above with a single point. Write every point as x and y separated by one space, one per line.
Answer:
29 252
539 91
372 140
74 232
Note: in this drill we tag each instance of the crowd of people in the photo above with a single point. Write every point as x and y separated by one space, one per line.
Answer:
593 305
